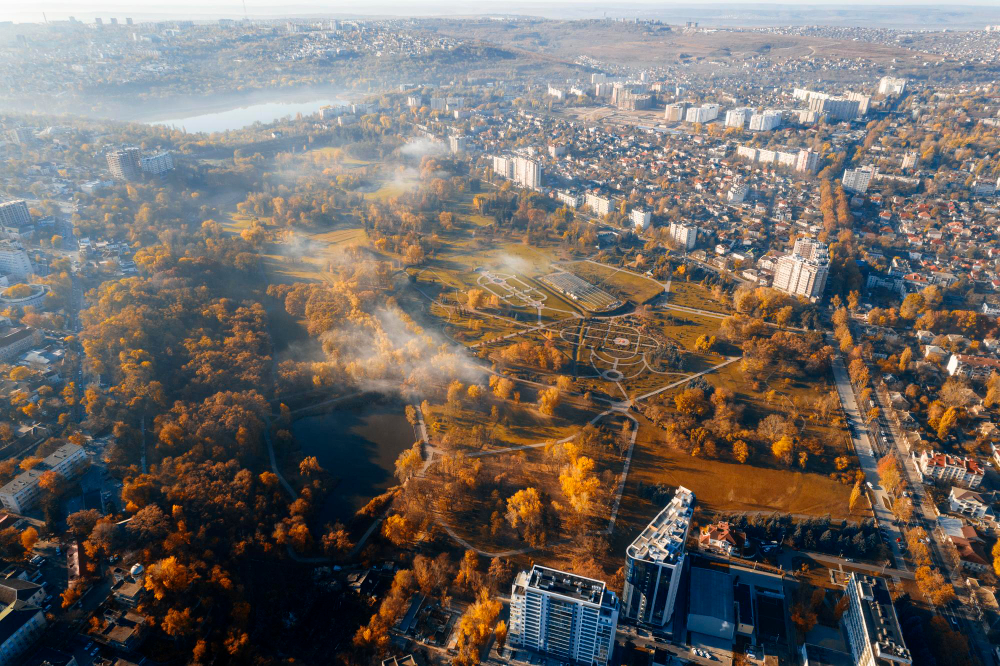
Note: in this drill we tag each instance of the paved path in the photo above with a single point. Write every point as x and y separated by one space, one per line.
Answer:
687 379
866 456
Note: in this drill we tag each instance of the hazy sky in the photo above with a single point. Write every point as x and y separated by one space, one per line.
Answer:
210 9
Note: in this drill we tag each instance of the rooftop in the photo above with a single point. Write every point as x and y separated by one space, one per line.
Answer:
880 620
587 590
663 539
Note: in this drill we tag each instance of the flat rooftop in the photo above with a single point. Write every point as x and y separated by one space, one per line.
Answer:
566 584
880 620
663 539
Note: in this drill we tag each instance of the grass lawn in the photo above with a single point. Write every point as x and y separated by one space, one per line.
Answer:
694 295
724 486
636 288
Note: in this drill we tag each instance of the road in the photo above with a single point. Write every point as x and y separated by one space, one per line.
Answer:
868 459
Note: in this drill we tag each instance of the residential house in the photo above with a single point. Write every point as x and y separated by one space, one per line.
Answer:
721 538
969 503
944 467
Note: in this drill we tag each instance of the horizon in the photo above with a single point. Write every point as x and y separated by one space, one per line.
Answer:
85 11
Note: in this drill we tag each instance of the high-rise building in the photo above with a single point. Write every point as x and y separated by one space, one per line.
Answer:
685 236
738 117
563 615
640 218
857 180
803 272
503 166
458 144
655 561
702 114
157 163
14 260
675 112
14 214
527 173
737 193
909 160
807 161
872 626
124 163
764 122
597 204
835 108
862 100
892 86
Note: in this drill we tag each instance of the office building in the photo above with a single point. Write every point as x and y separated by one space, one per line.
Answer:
675 112
835 108
807 161
803 272
22 493
705 113
857 180
872 626
640 218
157 163
563 615
765 122
14 214
891 86
14 260
124 163
597 204
738 117
654 563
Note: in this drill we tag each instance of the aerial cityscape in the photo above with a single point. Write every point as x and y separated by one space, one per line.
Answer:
591 336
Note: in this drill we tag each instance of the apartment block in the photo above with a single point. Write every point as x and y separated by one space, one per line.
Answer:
23 492
872 626
562 615
654 563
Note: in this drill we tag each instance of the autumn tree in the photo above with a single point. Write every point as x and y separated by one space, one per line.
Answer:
783 449
397 529
29 537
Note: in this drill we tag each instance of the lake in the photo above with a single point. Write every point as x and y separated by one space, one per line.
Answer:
358 447
243 116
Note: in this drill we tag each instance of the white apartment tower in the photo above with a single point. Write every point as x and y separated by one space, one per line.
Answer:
804 271
157 163
872 626
738 117
527 173
684 236
702 114
14 214
765 122
675 112
124 163
807 161
640 218
891 86
857 180
655 561
563 615
598 205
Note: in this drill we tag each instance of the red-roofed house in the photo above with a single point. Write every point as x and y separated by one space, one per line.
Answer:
974 367
721 538
961 471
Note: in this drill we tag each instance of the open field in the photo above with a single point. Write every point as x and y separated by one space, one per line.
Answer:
694 295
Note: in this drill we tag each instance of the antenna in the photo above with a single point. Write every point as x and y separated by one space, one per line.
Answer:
245 11
44 18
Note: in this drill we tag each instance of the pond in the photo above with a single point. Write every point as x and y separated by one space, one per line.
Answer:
244 116
358 447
